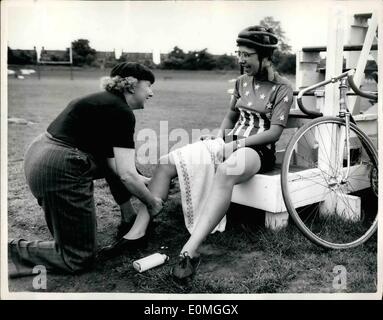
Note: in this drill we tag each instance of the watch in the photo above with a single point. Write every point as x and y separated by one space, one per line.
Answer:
238 144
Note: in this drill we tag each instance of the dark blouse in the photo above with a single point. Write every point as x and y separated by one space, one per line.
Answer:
96 123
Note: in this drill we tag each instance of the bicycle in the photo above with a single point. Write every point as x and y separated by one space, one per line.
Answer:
324 184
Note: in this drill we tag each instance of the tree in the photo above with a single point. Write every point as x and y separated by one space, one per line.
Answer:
83 53
199 60
175 59
283 58
193 60
11 56
269 22
225 62
284 62
21 57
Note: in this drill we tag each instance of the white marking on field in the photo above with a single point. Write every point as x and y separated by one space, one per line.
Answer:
19 121
27 72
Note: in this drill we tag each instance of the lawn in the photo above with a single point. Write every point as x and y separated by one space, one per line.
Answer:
246 258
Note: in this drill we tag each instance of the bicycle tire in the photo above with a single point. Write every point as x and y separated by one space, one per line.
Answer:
372 153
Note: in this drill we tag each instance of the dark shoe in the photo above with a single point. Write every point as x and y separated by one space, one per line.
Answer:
121 246
186 267
124 228
16 268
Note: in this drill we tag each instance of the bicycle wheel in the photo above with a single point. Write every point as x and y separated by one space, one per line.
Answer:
330 209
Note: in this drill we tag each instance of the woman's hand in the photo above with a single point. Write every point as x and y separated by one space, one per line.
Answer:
207 137
227 150
156 207
145 180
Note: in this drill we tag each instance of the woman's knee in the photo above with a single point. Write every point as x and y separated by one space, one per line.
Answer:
238 167
167 166
225 174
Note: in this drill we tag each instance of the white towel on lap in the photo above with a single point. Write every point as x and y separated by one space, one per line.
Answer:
196 164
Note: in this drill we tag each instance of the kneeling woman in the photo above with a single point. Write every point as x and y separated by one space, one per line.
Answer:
257 115
92 138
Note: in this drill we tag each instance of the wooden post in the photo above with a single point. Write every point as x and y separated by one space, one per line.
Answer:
334 67
71 72
334 60
359 34
71 61
276 221
343 205
356 36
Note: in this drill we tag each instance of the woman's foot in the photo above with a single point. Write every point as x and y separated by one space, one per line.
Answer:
122 245
186 267
126 243
124 228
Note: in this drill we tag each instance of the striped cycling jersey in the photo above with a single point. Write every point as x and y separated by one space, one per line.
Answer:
260 104
250 123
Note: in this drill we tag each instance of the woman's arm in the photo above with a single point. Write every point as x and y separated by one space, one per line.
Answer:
266 137
230 118
125 168
112 164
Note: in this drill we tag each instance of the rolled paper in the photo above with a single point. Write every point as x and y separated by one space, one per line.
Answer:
150 262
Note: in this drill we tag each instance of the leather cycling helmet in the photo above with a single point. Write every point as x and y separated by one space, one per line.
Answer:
260 38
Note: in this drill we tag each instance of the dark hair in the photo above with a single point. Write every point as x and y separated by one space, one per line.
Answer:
133 69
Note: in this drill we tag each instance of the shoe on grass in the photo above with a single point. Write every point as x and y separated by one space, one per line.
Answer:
186 267
123 228
122 246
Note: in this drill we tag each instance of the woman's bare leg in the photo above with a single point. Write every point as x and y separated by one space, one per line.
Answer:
127 211
239 167
159 187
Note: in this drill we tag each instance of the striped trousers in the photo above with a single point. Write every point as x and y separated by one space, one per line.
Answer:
61 177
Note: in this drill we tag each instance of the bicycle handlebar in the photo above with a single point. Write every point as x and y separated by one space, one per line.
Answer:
311 114
315 114
350 77
354 87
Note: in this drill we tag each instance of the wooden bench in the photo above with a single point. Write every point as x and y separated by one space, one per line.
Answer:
264 191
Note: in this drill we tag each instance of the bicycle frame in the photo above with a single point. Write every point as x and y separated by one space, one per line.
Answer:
345 113
350 77
323 142
346 81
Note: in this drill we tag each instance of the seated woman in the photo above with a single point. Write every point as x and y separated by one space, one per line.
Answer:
257 115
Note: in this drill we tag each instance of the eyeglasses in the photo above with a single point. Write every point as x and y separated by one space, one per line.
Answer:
244 54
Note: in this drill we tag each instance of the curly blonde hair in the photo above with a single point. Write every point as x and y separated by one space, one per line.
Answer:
118 84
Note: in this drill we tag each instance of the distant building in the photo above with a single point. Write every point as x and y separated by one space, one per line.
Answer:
54 55
164 56
106 59
145 58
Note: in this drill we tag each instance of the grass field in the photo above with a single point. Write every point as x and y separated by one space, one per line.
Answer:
246 258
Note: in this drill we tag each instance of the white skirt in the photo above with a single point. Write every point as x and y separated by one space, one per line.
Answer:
196 164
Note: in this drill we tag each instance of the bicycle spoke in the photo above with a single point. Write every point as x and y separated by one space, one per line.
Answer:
321 202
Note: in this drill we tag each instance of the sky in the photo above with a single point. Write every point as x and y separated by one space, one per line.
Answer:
158 26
